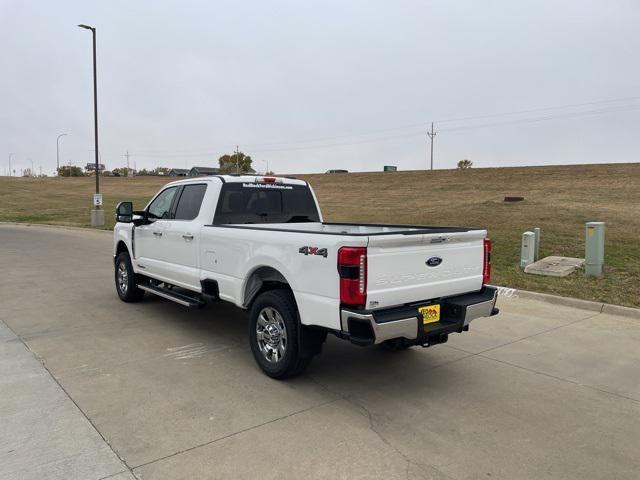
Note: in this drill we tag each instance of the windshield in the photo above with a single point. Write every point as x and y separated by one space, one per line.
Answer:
265 203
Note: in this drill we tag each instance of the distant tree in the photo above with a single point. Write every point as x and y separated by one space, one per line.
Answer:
27 172
236 162
162 171
70 171
463 164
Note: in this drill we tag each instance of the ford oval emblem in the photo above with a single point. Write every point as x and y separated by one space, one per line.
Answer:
433 262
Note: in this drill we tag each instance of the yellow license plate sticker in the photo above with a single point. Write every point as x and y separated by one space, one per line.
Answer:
430 314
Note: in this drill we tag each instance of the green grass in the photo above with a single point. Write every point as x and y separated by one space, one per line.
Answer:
558 199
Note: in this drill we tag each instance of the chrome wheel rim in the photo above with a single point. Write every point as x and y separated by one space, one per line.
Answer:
123 278
271 334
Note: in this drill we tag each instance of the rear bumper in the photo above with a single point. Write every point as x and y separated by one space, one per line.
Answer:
365 327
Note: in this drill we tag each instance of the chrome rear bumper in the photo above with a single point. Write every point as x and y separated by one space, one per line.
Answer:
372 327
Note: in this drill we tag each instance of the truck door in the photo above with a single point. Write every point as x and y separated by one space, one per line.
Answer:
150 243
182 237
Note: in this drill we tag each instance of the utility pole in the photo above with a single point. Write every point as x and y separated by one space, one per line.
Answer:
10 155
237 160
431 136
127 157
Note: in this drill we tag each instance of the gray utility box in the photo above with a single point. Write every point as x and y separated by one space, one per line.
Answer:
528 249
594 249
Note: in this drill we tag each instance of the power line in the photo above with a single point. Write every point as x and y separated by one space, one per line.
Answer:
327 143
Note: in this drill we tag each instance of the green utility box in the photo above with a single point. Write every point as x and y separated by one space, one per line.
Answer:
594 249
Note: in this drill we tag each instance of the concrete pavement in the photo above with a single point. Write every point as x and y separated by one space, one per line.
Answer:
160 392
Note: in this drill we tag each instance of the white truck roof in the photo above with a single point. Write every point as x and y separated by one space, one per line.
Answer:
240 179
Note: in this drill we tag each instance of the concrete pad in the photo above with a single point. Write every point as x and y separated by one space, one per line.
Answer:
601 351
177 393
334 441
44 435
156 407
554 266
519 318
477 418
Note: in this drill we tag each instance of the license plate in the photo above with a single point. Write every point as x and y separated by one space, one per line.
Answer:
430 314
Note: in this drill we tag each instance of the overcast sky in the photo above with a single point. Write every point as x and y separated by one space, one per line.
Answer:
308 86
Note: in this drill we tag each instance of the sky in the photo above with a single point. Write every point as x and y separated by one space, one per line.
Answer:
311 86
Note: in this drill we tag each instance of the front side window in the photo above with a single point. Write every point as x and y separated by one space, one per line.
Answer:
160 208
265 203
190 201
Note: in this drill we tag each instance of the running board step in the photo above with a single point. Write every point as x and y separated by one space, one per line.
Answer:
180 298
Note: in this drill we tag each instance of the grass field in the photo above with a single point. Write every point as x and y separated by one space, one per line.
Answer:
558 199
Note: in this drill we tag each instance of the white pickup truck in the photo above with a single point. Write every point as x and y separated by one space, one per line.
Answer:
261 243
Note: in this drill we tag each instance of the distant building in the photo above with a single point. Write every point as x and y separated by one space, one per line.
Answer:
202 171
390 168
178 172
90 167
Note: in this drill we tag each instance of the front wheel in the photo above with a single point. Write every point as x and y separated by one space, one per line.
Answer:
126 286
273 335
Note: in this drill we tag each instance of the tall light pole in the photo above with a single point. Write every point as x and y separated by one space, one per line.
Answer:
10 155
97 214
58 150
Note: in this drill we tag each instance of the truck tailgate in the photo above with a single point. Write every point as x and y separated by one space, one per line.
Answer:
410 268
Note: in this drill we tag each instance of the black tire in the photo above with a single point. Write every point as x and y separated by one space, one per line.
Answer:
290 363
125 278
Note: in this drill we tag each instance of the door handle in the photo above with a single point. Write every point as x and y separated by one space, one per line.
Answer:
188 237
157 234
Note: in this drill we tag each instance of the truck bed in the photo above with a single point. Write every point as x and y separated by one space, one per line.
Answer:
351 229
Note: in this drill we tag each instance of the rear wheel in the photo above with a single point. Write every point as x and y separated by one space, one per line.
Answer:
126 286
273 334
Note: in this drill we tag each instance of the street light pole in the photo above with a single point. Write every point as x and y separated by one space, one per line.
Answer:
58 151
97 217
10 172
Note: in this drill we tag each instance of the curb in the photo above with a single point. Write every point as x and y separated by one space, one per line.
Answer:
59 227
599 307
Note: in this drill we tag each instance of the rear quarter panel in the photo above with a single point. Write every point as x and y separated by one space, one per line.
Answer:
231 255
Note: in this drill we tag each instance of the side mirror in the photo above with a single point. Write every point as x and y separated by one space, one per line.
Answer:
124 212
140 217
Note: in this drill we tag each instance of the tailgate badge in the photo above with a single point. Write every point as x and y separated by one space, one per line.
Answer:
433 262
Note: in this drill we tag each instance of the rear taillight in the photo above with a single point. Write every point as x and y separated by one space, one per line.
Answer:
486 267
352 268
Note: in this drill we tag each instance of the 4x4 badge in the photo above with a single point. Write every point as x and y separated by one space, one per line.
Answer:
313 251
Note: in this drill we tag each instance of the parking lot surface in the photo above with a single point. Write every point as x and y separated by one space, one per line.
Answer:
93 388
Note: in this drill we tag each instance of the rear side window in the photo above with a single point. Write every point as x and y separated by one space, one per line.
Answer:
265 203
190 201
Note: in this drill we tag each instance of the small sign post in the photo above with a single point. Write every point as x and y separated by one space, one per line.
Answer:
97 199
